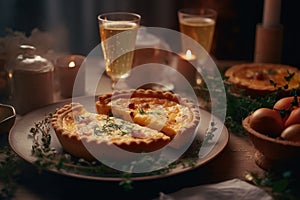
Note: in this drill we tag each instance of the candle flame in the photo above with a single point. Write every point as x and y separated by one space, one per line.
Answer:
188 54
10 75
72 64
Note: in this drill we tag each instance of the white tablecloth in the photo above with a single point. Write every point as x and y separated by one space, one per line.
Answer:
234 189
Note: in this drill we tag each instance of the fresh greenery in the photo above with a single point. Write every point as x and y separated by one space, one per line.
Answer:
239 107
282 185
10 169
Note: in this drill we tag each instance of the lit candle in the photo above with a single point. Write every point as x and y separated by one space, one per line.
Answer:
68 68
189 56
72 64
271 15
186 65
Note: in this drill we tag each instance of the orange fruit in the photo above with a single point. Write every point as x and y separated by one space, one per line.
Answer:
267 121
293 118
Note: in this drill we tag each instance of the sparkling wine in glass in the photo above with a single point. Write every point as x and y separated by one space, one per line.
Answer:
199 24
118 31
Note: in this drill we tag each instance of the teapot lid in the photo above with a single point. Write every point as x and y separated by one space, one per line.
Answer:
27 61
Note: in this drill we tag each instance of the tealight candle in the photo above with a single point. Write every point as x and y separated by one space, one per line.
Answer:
186 66
68 68
188 56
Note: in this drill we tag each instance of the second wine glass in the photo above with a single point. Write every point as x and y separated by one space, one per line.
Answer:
199 24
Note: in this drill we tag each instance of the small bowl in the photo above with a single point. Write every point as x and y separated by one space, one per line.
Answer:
272 153
7 118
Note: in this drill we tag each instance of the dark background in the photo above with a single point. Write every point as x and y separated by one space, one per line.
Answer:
77 21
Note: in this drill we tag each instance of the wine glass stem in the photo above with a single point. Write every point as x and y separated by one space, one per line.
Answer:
113 84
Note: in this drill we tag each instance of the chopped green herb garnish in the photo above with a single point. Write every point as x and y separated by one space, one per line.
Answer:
97 130
110 125
273 83
289 76
141 111
271 72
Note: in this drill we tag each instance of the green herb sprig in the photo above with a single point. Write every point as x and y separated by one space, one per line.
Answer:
209 135
42 138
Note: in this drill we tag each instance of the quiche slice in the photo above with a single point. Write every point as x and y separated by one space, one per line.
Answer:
75 128
176 117
257 79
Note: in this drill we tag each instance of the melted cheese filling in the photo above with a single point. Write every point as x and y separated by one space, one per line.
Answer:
160 114
106 128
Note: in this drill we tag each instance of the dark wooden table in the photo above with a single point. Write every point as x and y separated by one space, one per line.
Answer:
233 162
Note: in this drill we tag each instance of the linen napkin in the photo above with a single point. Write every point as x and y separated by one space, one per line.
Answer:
234 189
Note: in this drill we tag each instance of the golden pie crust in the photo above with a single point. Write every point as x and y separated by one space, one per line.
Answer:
75 128
164 111
254 78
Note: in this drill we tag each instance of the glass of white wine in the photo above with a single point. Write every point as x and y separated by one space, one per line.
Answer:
118 31
199 24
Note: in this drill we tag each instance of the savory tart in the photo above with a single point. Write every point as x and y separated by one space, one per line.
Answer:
256 79
163 111
75 128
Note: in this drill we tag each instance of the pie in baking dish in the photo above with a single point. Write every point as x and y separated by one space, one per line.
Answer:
75 126
262 78
163 111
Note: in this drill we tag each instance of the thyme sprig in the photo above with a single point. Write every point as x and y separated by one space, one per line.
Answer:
41 146
209 135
